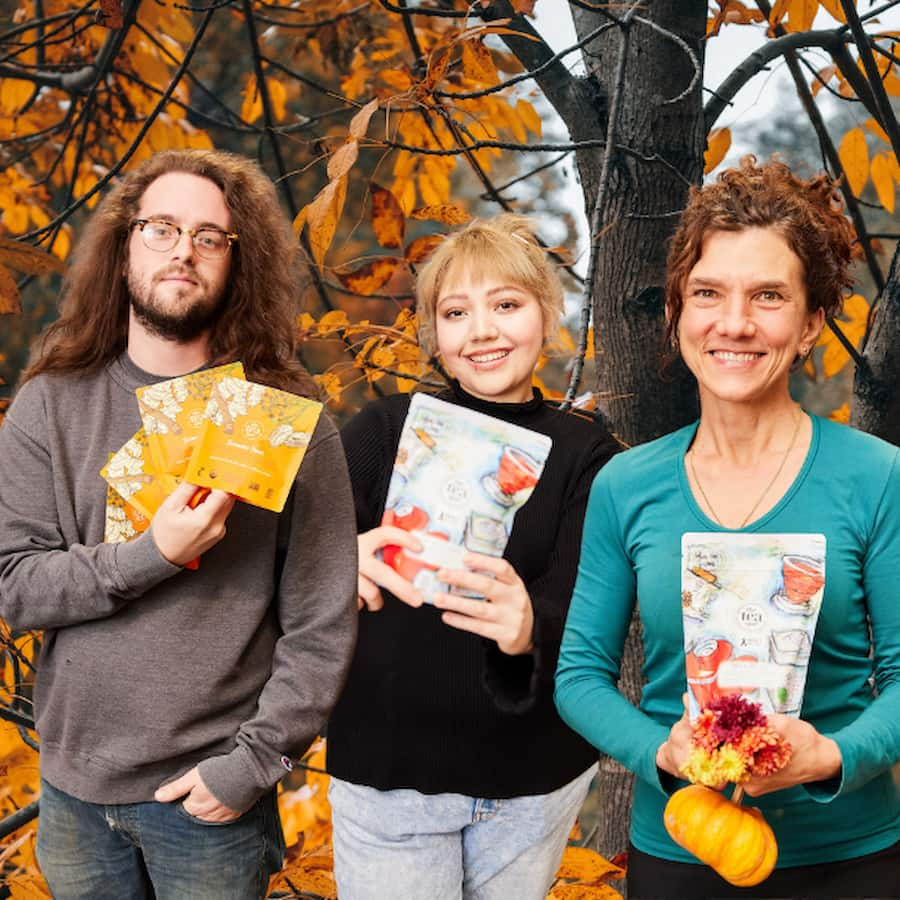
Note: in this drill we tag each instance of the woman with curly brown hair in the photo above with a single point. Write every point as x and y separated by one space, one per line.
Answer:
759 260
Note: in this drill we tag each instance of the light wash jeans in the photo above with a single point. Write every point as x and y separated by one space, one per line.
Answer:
138 851
405 845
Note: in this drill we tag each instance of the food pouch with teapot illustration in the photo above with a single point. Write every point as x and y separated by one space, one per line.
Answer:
750 603
252 441
459 477
172 413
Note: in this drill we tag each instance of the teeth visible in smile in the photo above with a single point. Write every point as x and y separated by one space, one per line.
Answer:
735 357
488 357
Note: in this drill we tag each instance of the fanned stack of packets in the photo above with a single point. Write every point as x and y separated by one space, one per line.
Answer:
214 429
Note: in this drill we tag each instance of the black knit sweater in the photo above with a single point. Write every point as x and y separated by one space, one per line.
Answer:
429 707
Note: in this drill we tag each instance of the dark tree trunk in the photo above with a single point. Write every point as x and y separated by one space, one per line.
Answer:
876 400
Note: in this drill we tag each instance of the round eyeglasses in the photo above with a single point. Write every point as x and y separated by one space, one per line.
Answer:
209 242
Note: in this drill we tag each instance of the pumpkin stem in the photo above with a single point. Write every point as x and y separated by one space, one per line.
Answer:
738 795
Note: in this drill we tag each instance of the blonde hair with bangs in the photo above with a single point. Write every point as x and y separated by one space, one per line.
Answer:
503 247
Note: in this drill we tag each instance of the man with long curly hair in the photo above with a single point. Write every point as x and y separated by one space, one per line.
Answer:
170 702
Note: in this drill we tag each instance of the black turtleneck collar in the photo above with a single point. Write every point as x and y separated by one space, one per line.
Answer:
492 408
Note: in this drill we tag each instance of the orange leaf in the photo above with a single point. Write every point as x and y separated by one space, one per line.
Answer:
529 116
278 98
322 218
834 9
587 865
342 159
478 64
28 887
825 75
396 78
359 124
883 180
801 14
9 293
331 384
387 217
27 259
584 892
854 155
421 248
437 65
251 108
853 325
333 320
841 414
717 145
876 129
448 213
14 93
370 277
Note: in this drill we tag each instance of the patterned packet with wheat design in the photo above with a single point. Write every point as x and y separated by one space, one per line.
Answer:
131 472
253 441
123 521
172 413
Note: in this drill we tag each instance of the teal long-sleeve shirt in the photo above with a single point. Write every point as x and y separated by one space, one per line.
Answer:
640 505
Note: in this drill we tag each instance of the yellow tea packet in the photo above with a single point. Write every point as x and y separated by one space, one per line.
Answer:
172 413
253 441
123 521
131 472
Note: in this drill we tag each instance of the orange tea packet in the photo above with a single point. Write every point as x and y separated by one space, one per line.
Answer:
172 414
132 473
252 442
123 521
135 491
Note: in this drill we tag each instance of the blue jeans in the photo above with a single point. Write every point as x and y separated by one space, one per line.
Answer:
140 851
410 846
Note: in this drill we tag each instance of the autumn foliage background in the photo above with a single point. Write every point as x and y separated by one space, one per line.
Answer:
385 124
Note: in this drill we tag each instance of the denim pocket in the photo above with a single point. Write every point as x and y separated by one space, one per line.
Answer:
243 817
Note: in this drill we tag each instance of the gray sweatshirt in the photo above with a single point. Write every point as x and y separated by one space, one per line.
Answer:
148 669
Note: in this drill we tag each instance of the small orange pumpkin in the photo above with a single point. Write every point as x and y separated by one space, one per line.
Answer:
734 840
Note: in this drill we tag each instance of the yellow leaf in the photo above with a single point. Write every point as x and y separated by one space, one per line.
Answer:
333 320
883 180
300 219
854 155
359 124
529 116
448 213
584 892
853 326
305 322
278 98
62 244
331 384
387 217
323 215
9 293
342 159
717 145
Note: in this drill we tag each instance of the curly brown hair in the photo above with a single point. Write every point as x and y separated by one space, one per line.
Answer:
257 324
504 247
807 213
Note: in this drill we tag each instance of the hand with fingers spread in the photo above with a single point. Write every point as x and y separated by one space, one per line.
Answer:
375 574
505 615
183 533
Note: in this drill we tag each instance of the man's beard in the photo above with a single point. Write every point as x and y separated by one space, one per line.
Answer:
182 325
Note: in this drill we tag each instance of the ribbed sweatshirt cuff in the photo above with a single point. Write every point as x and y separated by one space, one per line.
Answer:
140 565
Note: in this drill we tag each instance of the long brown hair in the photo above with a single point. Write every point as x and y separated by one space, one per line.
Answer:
257 323
808 214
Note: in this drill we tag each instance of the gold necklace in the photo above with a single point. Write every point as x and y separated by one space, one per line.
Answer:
768 487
